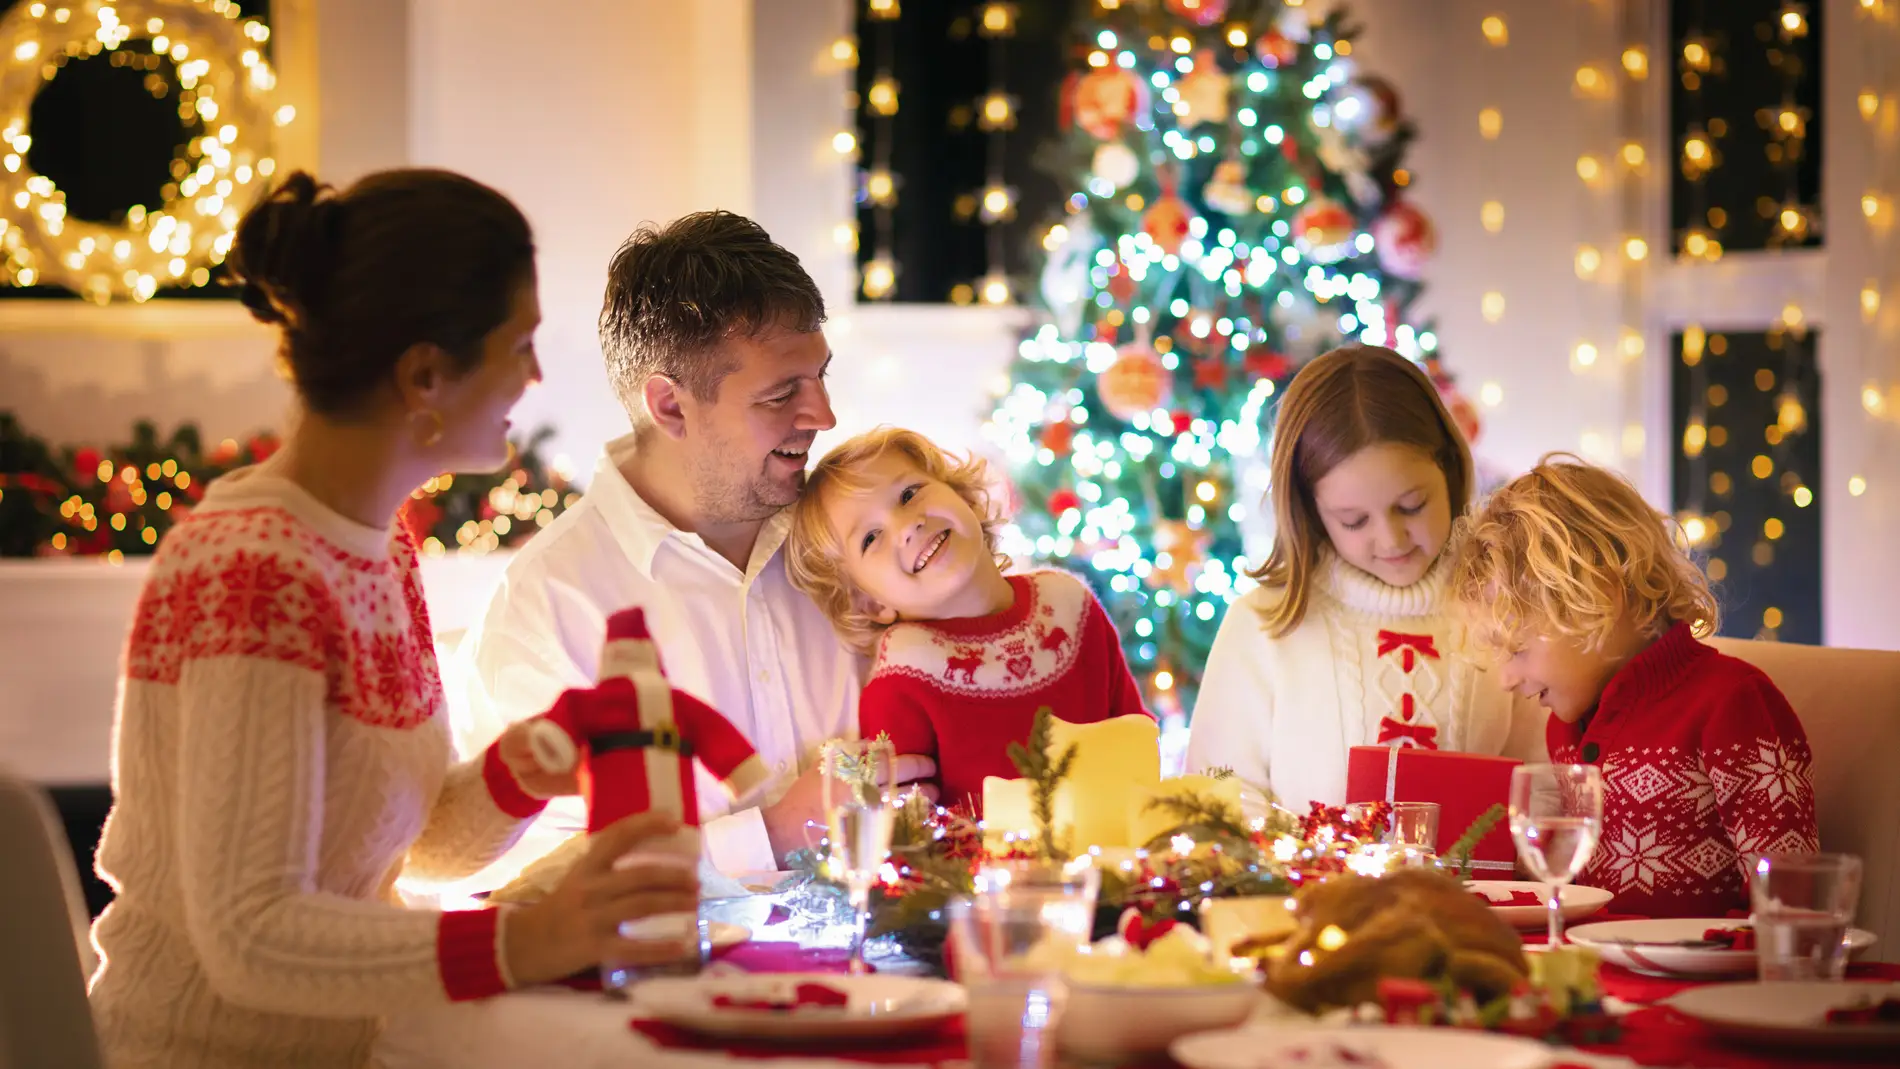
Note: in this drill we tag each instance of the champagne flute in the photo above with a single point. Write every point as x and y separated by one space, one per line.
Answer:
860 812
1556 817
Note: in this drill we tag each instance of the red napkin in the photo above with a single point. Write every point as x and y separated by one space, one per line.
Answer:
754 957
942 1044
1518 898
802 995
1742 938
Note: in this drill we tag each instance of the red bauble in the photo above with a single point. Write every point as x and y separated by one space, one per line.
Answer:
1105 99
1267 364
1210 373
1181 421
86 463
1136 383
262 446
1056 436
1324 230
1063 500
1275 49
1405 239
1166 222
1202 12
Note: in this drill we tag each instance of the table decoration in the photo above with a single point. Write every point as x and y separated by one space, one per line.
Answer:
1198 844
1685 946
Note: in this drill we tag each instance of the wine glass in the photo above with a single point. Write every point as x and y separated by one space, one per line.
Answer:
1556 817
860 811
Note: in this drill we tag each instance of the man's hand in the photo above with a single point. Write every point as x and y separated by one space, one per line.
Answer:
518 755
797 819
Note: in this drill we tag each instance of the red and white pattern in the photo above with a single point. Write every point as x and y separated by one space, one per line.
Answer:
1703 762
1408 679
279 759
962 690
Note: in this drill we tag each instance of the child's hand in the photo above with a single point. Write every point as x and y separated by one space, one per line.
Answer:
914 772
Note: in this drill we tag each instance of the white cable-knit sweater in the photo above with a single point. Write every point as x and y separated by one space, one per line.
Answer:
281 755
1371 664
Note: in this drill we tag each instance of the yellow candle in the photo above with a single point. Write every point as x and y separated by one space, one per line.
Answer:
1144 822
1006 810
1113 759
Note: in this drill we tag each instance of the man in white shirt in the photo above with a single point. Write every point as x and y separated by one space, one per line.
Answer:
713 340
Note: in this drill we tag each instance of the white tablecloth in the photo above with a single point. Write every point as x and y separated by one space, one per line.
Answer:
63 623
570 1029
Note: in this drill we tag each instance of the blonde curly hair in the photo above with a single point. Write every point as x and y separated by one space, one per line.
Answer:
814 550
1571 550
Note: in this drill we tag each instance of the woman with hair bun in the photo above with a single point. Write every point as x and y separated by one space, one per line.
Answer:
281 752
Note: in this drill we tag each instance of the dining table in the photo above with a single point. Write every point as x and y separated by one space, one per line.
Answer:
575 1026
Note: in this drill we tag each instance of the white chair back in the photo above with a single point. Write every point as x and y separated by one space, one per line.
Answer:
1849 704
44 1018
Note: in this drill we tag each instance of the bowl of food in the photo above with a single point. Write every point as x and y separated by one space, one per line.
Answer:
1128 1000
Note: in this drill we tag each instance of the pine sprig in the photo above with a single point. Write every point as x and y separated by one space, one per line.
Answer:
1045 774
1467 844
1201 817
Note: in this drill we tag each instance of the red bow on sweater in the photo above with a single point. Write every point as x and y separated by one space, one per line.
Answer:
1413 645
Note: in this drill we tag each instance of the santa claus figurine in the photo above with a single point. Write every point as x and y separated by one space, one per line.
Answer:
635 739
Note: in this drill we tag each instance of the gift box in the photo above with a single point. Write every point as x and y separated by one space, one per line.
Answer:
1464 786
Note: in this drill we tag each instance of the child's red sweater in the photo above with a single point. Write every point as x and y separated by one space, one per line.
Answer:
1703 762
962 690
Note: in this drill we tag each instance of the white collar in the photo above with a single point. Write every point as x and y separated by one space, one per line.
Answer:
640 530
1364 592
263 486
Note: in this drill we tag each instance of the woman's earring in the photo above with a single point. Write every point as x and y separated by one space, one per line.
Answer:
434 419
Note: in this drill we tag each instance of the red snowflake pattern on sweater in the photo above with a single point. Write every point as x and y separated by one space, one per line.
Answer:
1703 762
258 583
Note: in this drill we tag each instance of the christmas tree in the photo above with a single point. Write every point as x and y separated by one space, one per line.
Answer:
1239 207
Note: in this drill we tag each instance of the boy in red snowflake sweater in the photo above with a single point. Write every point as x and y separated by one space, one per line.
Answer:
895 540
1596 612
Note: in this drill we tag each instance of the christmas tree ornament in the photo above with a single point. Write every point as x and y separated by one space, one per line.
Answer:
1057 436
1405 239
1264 363
1210 373
1276 49
1116 164
1106 99
1180 552
634 739
1350 160
1324 230
1296 22
1136 383
1200 12
1383 112
1203 92
1063 500
1169 219
1226 190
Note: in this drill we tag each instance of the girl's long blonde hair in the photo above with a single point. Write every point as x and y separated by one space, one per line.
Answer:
1353 397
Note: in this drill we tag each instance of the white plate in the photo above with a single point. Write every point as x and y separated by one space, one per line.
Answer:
1367 1048
879 1006
1618 942
723 935
1789 1012
1579 902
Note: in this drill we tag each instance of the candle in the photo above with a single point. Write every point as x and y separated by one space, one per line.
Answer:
1146 821
1113 759
1006 811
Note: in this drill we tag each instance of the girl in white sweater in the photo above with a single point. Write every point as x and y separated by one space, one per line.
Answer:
281 752
1349 640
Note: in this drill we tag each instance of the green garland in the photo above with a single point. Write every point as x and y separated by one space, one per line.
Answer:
119 500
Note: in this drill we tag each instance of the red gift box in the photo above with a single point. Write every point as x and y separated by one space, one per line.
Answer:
1464 786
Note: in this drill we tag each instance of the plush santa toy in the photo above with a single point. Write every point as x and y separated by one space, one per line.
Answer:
635 739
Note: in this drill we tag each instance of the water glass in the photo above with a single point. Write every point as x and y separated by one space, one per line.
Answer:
685 931
1413 824
1556 818
1008 942
860 813
1803 904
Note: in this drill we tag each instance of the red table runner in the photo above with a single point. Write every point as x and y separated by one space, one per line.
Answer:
1653 1036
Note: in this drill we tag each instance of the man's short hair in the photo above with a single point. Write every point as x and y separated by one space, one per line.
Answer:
674 294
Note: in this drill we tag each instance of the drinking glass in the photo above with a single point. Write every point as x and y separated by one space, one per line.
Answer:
1556 818
1008 941
860 811
686 932
1413 824
1803 903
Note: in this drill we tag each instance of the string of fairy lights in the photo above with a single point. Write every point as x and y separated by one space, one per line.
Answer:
996 116
1877 106
877 184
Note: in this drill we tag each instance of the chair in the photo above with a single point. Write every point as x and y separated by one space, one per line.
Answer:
44 1017
1849 704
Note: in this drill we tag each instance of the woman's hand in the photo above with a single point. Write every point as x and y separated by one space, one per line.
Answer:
578 925
518 755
